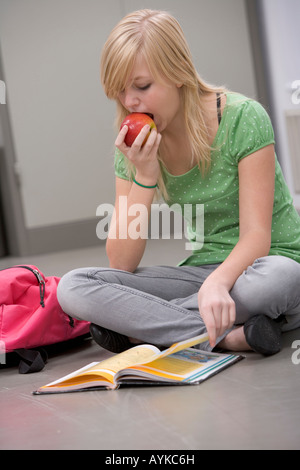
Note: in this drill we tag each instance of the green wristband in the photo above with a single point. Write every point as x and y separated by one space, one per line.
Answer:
143 186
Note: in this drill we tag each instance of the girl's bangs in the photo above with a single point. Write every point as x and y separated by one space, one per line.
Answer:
117 66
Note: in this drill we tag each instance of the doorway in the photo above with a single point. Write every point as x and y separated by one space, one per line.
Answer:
13 233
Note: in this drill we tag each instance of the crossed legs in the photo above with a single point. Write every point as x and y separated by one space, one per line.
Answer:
159 304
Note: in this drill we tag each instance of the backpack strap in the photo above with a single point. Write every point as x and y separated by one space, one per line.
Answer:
31 360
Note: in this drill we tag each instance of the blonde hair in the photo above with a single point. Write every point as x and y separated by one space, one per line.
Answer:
159 37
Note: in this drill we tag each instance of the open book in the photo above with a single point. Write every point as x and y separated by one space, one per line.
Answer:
180 364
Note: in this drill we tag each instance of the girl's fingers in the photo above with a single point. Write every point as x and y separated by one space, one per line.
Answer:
137 144
121 136
210 323
143 157
157 142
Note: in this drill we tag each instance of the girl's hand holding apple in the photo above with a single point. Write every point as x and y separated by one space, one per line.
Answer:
142 152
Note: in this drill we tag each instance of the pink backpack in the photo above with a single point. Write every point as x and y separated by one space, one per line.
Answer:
31 317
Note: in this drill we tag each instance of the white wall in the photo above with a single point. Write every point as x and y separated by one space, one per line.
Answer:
282 36
62 124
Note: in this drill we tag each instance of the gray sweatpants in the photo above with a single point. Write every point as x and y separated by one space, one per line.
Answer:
159 304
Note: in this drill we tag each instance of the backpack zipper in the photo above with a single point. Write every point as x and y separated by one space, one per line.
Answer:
40 281
42 289
42 286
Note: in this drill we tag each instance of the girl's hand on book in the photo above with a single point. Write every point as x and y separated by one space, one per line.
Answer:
217 310
143 157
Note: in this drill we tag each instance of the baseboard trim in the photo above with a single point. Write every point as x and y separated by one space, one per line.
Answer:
67 236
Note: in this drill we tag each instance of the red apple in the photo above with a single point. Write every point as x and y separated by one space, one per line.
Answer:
135 123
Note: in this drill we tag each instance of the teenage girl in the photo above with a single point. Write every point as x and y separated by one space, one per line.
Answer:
212 147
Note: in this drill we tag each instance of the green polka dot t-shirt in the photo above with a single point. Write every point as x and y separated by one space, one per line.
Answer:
213 200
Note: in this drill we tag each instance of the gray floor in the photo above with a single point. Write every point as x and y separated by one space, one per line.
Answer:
255 404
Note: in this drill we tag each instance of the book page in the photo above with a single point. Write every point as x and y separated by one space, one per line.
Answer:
131 357
170 368
179 366
77 373
188 343
106 369
189 365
